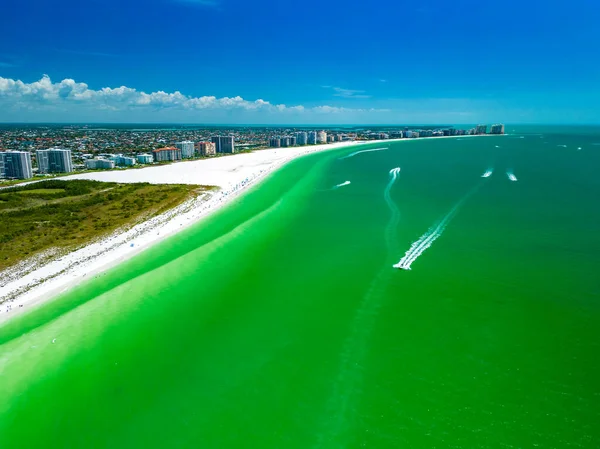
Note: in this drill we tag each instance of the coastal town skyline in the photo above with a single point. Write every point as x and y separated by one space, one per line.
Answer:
66 149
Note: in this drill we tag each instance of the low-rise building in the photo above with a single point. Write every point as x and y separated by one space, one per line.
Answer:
145 158
15 165
99 164
166 154
124 161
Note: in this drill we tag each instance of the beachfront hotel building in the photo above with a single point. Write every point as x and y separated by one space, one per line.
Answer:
166 154
293 141
301 138
285 142
145 158
274 142
312 137
321 137
15 165
206 148
224 144
497 129
187 149
54 160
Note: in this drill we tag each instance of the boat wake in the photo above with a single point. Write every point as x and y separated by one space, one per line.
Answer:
340 412
488 173
432 234
395 217
340 185
511 175
363 151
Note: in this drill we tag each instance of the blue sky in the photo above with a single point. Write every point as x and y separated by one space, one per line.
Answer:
267 61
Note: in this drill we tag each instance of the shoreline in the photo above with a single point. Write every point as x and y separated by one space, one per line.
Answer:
236 174
49 280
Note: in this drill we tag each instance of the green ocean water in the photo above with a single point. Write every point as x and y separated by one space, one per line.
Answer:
279 322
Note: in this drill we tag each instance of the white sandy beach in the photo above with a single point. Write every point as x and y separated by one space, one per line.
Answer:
31 283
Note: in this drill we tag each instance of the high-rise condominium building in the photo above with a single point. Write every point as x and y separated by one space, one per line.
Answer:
224 144
274 142
15 164
187 149
481 129
497 129
301 138
206 148
54 160
285 141
321 137
312 137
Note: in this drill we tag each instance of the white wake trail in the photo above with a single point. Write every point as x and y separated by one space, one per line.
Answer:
427 239
364 151
341 407
488 173
341 185
511 175
390 231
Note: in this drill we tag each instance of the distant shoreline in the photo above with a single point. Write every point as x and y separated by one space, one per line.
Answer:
234 175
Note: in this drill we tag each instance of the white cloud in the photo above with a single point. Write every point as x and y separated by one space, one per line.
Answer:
72 96
347 93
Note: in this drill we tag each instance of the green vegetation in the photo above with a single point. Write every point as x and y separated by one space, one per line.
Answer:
43 192
66 214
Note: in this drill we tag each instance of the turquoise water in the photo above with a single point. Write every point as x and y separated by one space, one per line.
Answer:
280 322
